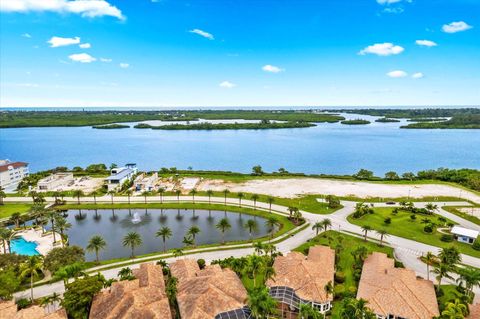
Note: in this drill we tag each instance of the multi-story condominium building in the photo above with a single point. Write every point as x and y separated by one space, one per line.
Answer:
11 173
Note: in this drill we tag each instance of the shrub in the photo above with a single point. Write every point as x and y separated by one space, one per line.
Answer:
399 264
339 277
201 263
446 238
23 303
339 291
428 229
476 245
63 256
352 290
388 221
413 217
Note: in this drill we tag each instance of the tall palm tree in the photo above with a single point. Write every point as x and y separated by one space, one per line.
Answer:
2 195
431 207
193 192
165 233
261 304
95 244
326 223
209 194
450 256
382 233
258 246
177 252
254 197
193 231
6 235
442 271
32 267
77 193
307 311
161 190
225 193
354 309
145 194
455 310
111 193
223 225
317 227
15 218
178 192
328 288
52 215
62 225
429 259
270 201
470 276
129 193
365 230
271 223
252 226
132 239
254 266
240 195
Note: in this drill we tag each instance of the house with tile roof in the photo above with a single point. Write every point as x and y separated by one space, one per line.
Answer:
474 312
208 293
11 174
395 292
143 297
301 279
8 310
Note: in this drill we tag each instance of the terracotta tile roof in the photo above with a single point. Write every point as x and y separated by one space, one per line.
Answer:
474 312
8 310
308 276
396 291
202 294
143 297
4 167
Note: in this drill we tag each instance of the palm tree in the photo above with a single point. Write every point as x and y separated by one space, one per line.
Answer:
252 226
326 223
429 259
62 225
125 273
270 201
2 195
177 252
258 246
161 190
442 271
382 233
455 310
354 309
240 195
328 289
254 197
307 311
271 223
223 225
132 239
95 194
95 244
431 208
111 193
145 194
470 276
317 227
77 193
193 231
6 235
178 192
261 304
129 193
209 194
366 229
193 192
165 233
450 256
32 267
253 266
52 215
225 193
15 218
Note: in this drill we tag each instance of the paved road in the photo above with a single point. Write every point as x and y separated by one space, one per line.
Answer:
406 250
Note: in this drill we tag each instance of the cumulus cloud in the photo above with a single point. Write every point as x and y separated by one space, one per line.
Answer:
82 58
203 34
85 45
85 8
272 68
26 35
426 43
455 27
397 74
382 49
124 65
418 75
227 84
106 60
61 42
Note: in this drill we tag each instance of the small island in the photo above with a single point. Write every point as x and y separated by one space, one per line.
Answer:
386 120
264 124
355 122
110 126
470 121
427 119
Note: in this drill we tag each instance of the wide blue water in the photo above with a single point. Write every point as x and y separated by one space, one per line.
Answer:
23 247
330 148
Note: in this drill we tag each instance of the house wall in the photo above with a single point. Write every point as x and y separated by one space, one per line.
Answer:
12 177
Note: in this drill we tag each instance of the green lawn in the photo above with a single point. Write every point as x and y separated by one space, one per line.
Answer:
456 211
345 261
7 209
403 226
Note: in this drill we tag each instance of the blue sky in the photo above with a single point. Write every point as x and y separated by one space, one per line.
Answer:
239 53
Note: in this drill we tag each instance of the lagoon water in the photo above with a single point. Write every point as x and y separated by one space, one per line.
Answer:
330 148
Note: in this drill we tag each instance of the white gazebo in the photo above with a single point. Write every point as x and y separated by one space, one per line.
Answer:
464 235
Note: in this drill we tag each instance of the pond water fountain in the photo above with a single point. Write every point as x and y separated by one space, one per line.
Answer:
136 218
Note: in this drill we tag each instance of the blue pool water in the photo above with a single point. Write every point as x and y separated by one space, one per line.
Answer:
23 247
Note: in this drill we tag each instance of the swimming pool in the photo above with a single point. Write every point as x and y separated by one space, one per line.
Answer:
23 247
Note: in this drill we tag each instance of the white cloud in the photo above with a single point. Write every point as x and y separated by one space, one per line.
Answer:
227 84
106 60
124 65
382 49
82 58
454 27
85 45
272 68
418 75
85 8
426 43
387 1
397 74
396 10
202 33
26 35
61 42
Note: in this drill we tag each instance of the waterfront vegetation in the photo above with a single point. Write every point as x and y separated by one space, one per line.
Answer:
415 113
355 122
417 226
469 121
264 124
427 119
386 120
110 126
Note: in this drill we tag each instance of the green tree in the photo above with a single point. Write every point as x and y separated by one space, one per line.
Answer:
77 193
261 304
62 226
52 215
455 310
9 283
326 223
193 192
6 235
391 175
223 225
209 194
63 256
382 233
125 273
96 243
442 271
31 268
365 230
271 223
254 197
470 277
132 240
178 192
240 195
161 191
145 194
111 193
257 170
254 266
356 309
429 260
2 195
16 218
129 193
252 226
270 201
317 227
225 194
193 231
79 294
164 233
177 252
364 174
307 311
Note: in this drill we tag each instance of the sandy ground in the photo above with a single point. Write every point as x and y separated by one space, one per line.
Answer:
475 211
294 187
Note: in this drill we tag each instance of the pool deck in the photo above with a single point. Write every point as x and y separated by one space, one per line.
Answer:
44 242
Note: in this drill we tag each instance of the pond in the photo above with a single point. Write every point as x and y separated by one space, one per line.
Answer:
114 224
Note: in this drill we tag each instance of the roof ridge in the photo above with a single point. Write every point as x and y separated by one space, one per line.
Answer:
414 295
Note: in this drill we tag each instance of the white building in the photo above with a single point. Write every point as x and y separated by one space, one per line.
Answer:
464 235
120 175
11 173
55 182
